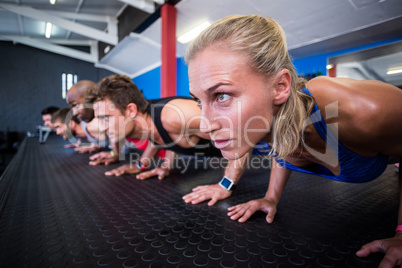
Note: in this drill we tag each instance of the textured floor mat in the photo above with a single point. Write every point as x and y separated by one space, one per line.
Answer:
57 211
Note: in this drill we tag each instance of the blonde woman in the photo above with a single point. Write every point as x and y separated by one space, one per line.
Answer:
247 88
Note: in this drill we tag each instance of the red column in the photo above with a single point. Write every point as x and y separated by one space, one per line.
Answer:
168 67
332 71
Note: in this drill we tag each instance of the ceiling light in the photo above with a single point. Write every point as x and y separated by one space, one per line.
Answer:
330 66
48 30
52 2
190 35
107 49
395 71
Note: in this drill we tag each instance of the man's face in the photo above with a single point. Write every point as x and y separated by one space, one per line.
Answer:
111 120
47 120
76 101
61 129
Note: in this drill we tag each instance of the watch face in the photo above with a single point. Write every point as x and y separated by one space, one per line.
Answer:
226 183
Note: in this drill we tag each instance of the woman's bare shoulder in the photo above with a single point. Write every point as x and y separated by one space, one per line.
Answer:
369 112
328 89
357 96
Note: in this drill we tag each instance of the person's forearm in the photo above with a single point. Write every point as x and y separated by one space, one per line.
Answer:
277 182
169 159
235 168
149 153
116 148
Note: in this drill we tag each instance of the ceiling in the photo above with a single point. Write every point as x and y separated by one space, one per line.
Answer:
373 68
82 29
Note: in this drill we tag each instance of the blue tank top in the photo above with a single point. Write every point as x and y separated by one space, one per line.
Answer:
354 168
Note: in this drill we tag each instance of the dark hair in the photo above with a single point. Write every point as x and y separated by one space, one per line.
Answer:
61 116
121 90
50 110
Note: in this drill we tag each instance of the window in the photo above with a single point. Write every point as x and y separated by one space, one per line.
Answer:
67 81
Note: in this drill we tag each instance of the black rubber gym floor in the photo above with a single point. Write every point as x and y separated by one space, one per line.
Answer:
57 211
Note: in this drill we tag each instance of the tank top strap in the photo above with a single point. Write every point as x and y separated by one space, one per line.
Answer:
321 127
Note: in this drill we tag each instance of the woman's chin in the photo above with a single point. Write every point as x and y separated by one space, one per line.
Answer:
232 154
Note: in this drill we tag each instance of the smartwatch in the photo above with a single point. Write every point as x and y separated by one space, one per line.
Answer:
227 184
140 165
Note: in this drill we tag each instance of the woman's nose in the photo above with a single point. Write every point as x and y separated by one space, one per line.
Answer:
208 124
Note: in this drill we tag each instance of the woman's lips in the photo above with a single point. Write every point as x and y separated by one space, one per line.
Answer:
220 144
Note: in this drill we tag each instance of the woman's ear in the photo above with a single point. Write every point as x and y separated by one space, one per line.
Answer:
282 87
131 110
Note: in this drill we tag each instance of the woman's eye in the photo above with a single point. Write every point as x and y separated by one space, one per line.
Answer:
223 97
198 103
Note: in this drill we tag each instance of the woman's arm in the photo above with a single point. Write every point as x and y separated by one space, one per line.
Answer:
215 192
277 182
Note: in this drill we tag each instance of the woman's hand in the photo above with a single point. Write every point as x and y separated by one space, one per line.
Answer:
161 172
392 247
206 192
244 211
103 158
124 169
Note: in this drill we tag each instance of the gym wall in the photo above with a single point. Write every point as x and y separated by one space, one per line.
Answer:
31 80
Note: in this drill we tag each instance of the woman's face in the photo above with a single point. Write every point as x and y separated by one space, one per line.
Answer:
236 102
